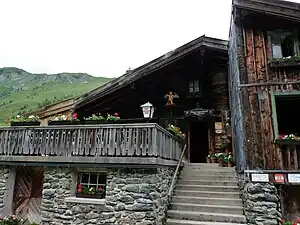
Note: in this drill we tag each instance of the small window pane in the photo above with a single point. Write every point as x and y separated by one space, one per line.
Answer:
191 86
93 178
277 52
101 179
196 87
85 178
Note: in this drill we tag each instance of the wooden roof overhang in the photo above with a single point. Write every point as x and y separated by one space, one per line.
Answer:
203 42
283 9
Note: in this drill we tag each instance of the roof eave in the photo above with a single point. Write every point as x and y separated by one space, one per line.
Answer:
283 9
150 67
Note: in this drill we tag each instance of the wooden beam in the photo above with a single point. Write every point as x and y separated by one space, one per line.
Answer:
65 161
268 84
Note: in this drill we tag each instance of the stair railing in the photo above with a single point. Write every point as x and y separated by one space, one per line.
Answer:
175 174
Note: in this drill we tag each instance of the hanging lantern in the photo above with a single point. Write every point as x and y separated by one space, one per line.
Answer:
148 110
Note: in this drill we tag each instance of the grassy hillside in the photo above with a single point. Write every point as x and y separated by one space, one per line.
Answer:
21 91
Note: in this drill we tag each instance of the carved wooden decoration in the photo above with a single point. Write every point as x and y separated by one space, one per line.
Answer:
170 98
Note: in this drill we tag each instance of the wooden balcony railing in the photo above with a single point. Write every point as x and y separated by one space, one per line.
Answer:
85 141
289 154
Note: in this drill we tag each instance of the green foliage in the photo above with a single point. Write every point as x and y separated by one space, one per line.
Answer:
176 131
11 220
114 117
286 59
22 92
95 117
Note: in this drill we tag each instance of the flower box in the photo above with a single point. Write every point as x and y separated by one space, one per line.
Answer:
83 195
24 123
287 63
102 121
64 122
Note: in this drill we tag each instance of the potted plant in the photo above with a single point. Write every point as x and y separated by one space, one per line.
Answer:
213 158
229 160
61 119
92 192
95 119
225 146
208 159
18 120
220 157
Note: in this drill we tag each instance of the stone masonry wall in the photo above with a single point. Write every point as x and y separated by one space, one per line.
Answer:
3 185
261 203
133 196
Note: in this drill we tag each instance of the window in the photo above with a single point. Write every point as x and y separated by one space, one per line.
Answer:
91 185
194 87
284 43
287 114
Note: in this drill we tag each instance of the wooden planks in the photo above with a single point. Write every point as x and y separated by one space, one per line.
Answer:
28 193
133 140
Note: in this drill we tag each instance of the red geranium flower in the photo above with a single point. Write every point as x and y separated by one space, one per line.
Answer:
74 115
116 114
100 188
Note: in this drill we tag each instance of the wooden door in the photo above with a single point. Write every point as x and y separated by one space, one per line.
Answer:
28 193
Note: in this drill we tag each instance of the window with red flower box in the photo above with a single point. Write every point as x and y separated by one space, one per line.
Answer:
91 185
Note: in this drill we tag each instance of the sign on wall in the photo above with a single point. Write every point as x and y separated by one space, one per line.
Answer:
218 127
259 177
294 178
279 178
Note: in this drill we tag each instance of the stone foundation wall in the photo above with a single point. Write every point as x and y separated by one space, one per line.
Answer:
133 196
261 203
4 172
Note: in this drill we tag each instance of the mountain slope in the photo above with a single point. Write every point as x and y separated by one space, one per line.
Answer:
21 91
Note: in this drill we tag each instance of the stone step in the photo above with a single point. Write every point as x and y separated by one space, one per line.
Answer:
207 177
202 165
207 173
208 200
191 222
205 216
237 210
210 194
207 188
208 182
217 169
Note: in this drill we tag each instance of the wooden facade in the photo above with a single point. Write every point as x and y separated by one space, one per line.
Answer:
201 63
265 82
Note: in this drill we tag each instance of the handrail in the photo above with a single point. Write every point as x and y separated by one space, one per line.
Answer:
175 174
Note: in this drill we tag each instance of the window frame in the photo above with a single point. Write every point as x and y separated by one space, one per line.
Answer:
194 83
79 181
296 38
275 95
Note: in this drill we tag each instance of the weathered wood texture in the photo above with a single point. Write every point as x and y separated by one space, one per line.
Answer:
256 103
28 193
126 140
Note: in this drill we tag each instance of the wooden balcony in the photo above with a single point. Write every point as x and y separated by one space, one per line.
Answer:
289 154
109 144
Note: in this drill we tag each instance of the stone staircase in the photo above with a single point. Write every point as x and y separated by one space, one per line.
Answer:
206 195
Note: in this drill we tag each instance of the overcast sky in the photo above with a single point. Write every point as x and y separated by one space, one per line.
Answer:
102 38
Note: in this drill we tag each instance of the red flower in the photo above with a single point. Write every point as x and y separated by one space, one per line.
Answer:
74 115
297 220
100 188
116 114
